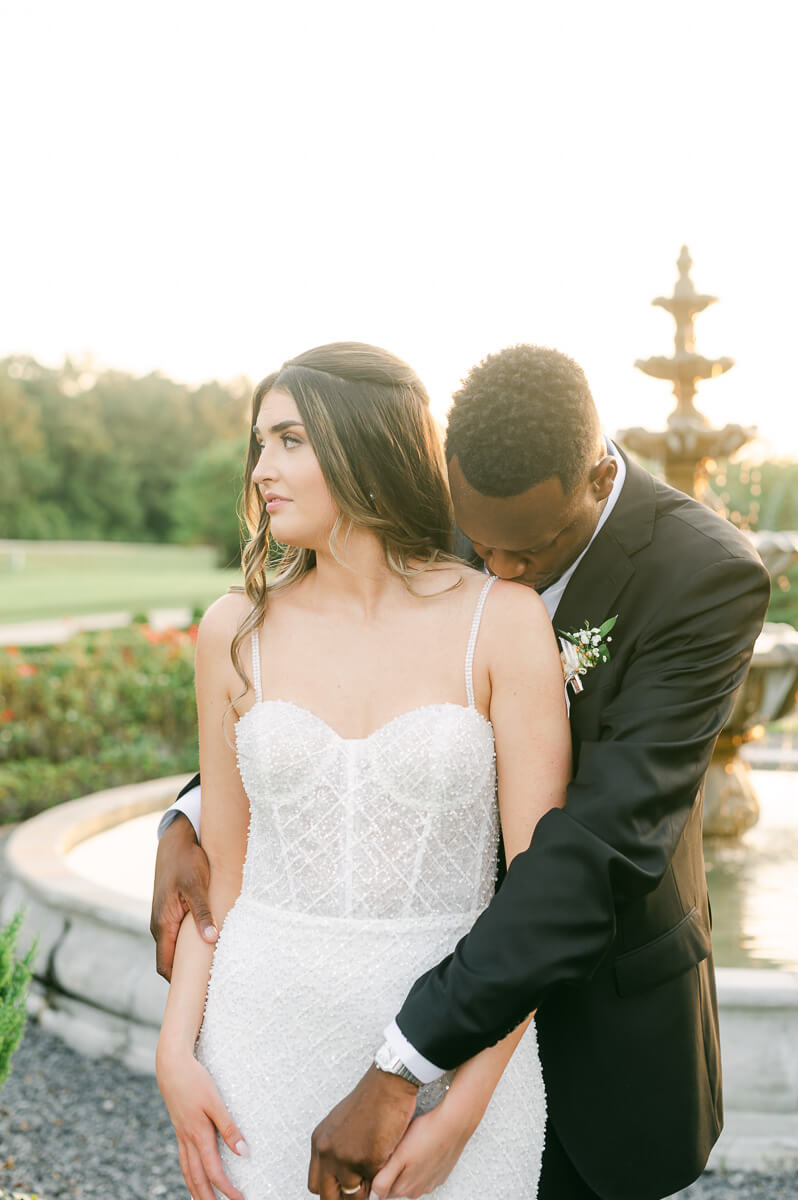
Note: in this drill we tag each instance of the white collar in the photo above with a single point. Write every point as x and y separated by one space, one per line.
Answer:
553 594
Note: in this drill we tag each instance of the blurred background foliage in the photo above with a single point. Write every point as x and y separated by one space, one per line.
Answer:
100 710
108 456
202 499
763 496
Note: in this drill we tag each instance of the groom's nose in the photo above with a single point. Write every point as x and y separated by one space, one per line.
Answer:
506 566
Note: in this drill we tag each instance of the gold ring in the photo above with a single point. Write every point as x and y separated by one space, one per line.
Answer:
350 1191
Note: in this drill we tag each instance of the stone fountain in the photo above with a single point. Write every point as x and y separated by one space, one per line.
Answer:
685 450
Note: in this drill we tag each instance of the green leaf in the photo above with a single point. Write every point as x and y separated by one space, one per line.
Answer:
608 626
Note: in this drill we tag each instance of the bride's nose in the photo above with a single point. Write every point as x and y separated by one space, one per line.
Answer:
262 472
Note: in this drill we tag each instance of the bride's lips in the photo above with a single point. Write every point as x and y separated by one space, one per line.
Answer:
274 502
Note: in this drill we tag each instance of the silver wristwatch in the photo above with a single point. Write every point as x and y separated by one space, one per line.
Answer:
386 1060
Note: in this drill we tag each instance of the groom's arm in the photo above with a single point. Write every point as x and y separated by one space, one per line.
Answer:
189 803
182 877
553 919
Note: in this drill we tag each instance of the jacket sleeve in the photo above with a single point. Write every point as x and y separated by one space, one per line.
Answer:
553 919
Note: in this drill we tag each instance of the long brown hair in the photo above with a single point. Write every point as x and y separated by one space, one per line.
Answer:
367 417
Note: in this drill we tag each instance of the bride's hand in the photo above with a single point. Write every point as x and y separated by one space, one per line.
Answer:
424 1158
197 1111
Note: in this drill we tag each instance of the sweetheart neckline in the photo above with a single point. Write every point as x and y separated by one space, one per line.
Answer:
380 728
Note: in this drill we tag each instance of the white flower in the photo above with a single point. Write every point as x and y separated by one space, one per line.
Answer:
584 649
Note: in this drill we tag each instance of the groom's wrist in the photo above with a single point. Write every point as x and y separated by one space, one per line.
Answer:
405 1051
391 1064
390 1088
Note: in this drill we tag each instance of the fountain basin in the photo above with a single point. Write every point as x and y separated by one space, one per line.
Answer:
95 982
97 986
768 693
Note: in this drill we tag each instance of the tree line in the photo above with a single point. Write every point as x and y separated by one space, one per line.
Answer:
110 456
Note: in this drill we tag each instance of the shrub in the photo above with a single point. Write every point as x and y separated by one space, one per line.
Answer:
100 710
15 976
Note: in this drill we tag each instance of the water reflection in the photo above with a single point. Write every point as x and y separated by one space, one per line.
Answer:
753 885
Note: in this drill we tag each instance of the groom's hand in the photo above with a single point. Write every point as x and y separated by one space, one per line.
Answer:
360 1134
181 883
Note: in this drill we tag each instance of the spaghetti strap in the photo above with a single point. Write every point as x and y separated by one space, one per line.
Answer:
472 640
256 666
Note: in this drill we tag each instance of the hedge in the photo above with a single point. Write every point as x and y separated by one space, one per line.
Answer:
100 710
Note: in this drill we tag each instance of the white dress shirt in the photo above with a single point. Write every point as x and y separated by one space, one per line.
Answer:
553 594
190 805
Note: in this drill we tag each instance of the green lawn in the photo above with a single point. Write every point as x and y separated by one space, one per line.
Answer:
63 579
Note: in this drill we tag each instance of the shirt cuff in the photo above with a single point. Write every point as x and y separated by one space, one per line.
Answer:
421 1067
189 805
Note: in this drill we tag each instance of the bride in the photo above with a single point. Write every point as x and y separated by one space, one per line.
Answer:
357 707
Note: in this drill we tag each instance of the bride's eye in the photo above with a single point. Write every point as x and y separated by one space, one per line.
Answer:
290 440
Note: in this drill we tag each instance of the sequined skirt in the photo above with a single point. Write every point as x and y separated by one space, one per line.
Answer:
296 1007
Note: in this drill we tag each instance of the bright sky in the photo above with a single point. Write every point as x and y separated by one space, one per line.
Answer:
208 188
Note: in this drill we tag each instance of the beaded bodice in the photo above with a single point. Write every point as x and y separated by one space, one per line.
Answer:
367 860
400 824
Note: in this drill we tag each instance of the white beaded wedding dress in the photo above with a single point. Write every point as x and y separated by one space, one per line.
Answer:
367 859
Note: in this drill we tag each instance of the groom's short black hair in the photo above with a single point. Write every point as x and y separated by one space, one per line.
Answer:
522 416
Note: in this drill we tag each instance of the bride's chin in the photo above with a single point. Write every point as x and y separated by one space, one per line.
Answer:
294 539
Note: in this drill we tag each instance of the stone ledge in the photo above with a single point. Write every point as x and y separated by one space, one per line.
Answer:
36 850
753 1141
742 987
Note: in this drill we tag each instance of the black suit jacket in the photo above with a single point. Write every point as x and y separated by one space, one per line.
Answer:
603 924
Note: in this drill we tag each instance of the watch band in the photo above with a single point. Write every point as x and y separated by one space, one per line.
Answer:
391 1064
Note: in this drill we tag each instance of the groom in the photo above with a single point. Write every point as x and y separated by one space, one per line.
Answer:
603 924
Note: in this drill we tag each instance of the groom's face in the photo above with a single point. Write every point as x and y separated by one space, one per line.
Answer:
534 537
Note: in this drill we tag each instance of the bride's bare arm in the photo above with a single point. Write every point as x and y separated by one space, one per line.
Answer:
190 1095
527 710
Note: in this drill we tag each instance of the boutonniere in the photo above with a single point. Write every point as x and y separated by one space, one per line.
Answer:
584 649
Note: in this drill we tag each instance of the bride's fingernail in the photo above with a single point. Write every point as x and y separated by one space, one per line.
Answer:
242 1148
210 933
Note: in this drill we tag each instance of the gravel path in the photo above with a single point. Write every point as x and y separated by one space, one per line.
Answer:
74 1128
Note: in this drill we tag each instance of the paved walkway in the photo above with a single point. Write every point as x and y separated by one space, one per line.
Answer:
61 629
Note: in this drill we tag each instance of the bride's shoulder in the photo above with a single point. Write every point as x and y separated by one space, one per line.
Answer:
223 618
515 615
518 643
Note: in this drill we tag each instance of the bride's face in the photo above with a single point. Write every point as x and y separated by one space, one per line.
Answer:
288 476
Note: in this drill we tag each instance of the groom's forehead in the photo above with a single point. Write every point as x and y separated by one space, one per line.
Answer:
524 522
